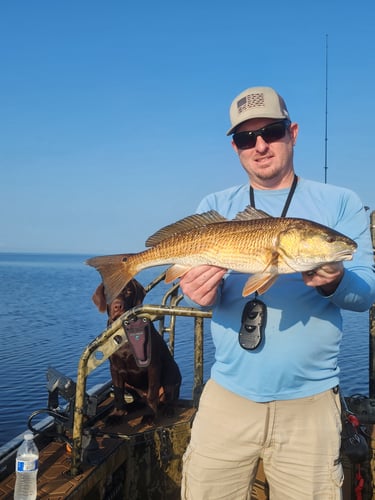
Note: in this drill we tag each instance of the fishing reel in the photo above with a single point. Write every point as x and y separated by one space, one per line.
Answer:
59 385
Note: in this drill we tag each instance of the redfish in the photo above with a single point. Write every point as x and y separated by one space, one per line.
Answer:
253 243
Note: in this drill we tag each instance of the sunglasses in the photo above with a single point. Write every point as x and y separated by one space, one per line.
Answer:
269 133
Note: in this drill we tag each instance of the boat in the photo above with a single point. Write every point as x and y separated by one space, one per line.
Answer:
82 456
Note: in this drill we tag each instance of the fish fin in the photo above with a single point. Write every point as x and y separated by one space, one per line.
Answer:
114 273
259 282
268 284
251 213
174 272
191 222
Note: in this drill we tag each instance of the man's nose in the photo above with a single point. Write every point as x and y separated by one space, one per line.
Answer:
261 144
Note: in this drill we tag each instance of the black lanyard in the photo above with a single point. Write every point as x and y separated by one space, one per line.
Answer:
288 200
254 315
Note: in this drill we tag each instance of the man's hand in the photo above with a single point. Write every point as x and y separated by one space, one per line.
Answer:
326 277
200 284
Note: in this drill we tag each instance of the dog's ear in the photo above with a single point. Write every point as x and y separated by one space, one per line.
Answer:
99 298
133 294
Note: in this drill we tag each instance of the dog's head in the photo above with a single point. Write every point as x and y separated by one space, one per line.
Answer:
132 295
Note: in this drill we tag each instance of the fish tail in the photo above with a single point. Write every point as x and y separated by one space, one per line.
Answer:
115 273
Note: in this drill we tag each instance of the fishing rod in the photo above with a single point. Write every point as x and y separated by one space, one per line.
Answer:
326 119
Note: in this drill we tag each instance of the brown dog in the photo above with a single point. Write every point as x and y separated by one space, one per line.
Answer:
159 379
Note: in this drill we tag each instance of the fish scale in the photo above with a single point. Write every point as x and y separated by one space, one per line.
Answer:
219 245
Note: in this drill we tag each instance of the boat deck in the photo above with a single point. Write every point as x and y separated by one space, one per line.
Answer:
110 454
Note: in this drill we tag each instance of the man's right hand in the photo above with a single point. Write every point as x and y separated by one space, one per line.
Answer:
200 284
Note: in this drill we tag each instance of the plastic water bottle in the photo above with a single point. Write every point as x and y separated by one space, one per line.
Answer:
26 469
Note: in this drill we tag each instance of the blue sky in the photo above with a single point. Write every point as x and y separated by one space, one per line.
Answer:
113 113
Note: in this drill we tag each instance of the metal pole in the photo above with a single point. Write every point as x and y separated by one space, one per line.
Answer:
372 325
326 120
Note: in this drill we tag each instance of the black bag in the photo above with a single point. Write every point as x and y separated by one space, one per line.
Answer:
354 444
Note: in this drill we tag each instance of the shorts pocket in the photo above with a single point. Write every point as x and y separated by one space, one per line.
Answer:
185 464
337 475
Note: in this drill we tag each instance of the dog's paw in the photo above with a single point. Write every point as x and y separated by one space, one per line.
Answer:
169 411
116 417
148 419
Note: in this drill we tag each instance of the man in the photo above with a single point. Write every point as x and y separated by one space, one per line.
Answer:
277 400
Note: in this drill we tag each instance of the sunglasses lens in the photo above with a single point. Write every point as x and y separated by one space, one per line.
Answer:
270 133
244 140
274 132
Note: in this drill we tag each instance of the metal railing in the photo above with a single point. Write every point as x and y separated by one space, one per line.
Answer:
111 339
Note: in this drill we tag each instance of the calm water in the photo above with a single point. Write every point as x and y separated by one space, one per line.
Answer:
47 319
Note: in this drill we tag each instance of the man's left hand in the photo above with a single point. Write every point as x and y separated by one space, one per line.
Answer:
326 277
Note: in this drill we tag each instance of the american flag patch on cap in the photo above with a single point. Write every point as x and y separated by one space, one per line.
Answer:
250 101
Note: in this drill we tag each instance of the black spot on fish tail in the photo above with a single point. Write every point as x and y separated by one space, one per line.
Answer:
114 273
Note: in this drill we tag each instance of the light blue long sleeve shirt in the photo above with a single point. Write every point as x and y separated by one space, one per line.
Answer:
298 357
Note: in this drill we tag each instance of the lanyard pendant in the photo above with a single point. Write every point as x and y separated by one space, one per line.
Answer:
253 323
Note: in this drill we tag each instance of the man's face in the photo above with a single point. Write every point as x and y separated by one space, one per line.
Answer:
267 164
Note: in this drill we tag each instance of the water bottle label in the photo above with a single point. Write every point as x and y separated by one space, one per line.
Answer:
26 466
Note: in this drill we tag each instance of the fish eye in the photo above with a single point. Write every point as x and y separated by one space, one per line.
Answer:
330 239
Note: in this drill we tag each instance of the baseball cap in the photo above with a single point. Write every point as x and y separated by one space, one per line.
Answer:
256 102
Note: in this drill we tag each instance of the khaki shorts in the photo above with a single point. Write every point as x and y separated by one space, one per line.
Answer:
298 440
